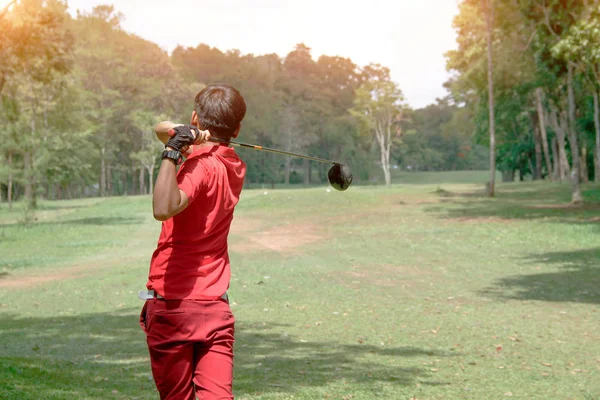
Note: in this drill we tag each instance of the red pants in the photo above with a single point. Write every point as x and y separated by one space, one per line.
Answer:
191 348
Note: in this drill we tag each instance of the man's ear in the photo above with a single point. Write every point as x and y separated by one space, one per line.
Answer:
237 131
194 120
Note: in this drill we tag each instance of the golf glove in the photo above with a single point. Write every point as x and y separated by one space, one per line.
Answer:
185 135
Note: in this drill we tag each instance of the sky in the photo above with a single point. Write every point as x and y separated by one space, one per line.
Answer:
408 36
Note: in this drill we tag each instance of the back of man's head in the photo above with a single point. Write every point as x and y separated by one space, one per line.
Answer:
220 109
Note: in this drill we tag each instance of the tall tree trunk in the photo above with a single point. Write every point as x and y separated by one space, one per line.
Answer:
584 169
384 152
124 182
597 126
150 179
306 168
10 182
596 163
537 173
27 174
30 192
555 159
385 165
142 182
288 166
492 183
543 135
109 185
559 124
576 196
290 121
562 148
102 172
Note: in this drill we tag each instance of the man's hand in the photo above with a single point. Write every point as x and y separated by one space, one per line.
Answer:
182 136
203 136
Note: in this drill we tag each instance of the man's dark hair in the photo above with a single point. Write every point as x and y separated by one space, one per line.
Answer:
220 109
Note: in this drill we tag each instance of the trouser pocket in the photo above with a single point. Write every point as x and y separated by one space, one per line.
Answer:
143 317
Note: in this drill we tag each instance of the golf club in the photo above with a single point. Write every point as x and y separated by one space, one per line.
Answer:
339 175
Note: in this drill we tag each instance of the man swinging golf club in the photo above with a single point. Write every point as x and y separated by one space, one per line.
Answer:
186 317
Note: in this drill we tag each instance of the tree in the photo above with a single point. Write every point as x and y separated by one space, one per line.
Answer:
149 151
579 46
489 20
121 73
542 129
302 108
379 107
38 57
558 19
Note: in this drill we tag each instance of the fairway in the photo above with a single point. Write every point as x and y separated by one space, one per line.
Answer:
410 292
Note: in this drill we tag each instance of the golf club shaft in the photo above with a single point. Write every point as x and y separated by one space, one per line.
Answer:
164 130
262 148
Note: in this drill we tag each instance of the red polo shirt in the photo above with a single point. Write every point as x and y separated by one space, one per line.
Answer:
191 260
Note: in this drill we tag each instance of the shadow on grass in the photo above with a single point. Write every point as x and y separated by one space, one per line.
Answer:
79 221
577 281
105 356
531 201
59 205
268 361
104 221
87 356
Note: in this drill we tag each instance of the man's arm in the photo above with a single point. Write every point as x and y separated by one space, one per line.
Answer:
168 200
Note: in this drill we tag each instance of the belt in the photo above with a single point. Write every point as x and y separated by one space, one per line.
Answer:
151 294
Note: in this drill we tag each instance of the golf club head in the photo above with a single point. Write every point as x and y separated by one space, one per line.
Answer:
340 176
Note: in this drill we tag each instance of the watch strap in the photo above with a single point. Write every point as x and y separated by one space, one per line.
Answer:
173 155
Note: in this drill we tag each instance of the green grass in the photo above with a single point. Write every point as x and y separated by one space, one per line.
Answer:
399 176
429 291
442 177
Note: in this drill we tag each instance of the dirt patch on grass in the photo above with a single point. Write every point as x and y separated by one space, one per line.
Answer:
386 275
241 225
480 220
288 238
62 273
20 282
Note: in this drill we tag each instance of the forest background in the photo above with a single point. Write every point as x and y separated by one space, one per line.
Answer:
80 96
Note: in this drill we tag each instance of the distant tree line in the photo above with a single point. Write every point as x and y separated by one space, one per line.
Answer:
80 96
545 74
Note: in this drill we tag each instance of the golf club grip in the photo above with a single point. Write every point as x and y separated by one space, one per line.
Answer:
171 133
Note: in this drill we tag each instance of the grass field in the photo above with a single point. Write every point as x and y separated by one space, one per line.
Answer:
428 291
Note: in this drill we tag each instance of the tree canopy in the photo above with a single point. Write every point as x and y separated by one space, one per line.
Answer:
80 96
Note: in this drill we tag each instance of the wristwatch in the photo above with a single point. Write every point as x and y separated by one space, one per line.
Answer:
172 155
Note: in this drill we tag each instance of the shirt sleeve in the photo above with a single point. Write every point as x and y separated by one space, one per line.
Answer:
192 178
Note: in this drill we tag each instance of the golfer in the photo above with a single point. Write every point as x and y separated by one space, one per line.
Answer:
186 317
